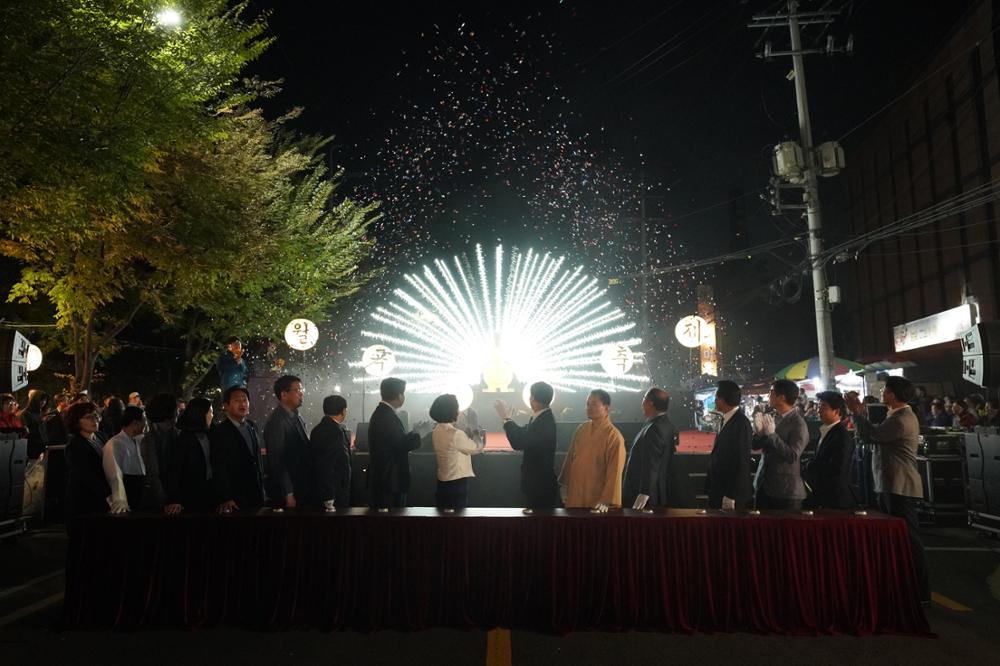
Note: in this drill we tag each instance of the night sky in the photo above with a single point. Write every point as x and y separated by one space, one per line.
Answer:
534 124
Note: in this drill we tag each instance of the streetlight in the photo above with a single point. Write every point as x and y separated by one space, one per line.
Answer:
169 18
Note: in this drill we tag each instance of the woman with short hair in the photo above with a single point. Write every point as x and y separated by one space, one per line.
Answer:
454 450
87 489
188 483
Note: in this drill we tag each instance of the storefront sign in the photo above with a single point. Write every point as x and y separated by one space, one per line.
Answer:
941 327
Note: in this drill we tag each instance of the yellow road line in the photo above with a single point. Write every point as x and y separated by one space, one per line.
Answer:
498 647
30 609
950 604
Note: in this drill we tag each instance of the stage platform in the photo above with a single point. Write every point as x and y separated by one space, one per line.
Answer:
560 571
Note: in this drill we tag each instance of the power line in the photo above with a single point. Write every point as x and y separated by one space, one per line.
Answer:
634 32
720 259
715 205
960 203
694 26
916 85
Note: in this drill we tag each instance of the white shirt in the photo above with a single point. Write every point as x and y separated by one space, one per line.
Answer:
454 451
120 456
728 415
823 429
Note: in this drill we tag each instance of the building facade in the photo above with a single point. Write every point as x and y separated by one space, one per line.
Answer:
939 140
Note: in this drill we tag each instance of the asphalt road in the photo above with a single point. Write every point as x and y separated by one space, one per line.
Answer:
965 570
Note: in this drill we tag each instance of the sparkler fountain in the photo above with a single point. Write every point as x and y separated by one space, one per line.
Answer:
521 317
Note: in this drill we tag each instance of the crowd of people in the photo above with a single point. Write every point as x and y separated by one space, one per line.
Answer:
945 411
170 457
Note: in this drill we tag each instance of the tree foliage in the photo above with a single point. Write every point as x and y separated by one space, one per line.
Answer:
133 175
279 245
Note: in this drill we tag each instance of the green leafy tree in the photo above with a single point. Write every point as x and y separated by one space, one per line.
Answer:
97 94
265 238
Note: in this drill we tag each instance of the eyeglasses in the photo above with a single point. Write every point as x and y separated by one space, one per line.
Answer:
95 416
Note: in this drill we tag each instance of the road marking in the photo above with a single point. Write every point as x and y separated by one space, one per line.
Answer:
498 647
11 590
30 609
950 604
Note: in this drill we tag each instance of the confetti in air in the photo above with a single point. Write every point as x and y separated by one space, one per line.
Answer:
518 317
484 145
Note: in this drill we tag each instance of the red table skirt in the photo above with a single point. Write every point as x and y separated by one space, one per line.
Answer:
558 572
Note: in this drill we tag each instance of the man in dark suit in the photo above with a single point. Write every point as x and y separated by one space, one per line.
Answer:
330 449
389 447
288 476
781 439
648 465
728 482
237 472
538 441
829 472
894 463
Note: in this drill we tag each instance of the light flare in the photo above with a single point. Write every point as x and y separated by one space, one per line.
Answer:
452 326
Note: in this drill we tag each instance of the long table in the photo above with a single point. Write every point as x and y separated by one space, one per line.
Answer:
560 571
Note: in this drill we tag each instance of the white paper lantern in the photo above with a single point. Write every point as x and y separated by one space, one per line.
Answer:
689 331
34 359
378 360
301 334
617 360
465 395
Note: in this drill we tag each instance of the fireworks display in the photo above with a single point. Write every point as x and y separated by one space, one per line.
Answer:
514 316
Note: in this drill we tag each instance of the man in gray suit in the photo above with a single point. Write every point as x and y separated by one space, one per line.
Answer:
894 462
781 439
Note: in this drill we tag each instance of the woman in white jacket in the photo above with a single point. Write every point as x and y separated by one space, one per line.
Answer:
454 450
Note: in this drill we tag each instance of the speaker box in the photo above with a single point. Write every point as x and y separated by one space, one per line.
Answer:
13 458
974 463
991 458
977 496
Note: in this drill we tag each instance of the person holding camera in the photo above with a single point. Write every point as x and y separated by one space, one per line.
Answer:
894 462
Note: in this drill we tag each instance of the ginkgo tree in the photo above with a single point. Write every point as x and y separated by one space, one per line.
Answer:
134 175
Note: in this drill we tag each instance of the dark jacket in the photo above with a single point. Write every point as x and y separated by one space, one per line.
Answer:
236 465
389 463
538 441
729 464
38 434
829 472
187 481
56 428
942 420
287 457
155 448
330 452
87 488
648 466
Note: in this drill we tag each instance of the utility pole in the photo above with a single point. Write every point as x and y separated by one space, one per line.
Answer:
644 270
804 174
